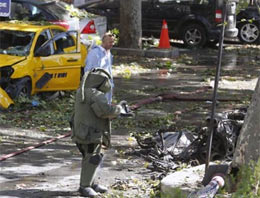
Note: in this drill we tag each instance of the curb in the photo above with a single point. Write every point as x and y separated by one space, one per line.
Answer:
152 52
181 183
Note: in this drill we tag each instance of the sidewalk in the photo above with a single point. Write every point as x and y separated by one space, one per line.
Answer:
53 170
152 52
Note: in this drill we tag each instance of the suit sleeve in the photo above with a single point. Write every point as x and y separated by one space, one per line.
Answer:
102 108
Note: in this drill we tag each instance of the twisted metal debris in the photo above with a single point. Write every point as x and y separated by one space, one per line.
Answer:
167 150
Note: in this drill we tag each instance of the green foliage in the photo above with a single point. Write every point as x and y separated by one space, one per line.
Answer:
115 32
114 194
150 43
79 13
157 122
169 64
186 59
155 188
241 5
175 193
248 181
44 115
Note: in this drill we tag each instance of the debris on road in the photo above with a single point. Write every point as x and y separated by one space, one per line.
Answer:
168 149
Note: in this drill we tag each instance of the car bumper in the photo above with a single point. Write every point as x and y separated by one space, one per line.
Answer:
5 100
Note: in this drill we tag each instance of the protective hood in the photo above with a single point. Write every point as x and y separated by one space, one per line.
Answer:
97 78
10 60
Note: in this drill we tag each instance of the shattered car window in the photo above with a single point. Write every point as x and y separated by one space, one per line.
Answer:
66 44
56 9
17 43
26 11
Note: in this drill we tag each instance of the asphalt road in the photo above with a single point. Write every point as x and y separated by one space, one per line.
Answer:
53 170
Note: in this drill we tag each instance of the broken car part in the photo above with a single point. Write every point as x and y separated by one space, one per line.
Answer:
38 58
167 149
5 100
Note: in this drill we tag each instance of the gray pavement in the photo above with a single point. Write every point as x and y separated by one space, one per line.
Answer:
172 52
53 170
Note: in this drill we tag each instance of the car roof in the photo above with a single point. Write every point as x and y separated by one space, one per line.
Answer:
91 3
31 27
38 2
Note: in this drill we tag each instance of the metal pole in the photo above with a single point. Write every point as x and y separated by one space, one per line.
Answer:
214 99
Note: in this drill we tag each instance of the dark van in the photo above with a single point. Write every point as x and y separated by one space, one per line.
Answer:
193 21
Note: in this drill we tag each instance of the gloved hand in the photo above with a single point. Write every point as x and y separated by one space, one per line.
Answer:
125 110
122 103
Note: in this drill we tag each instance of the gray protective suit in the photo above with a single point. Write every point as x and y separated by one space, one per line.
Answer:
91 124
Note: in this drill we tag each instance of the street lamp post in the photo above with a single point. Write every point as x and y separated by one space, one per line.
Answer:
228 30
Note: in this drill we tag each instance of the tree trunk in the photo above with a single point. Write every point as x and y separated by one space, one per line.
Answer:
130 31
248 144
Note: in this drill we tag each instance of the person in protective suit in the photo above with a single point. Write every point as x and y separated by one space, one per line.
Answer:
91 126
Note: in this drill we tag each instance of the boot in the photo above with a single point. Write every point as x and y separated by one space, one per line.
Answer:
87 192
99 188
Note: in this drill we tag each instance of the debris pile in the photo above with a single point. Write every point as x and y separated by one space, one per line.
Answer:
168 150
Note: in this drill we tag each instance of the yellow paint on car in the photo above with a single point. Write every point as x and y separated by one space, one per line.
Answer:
5 100
54 72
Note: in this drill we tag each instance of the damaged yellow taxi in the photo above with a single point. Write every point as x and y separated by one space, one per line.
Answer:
38 58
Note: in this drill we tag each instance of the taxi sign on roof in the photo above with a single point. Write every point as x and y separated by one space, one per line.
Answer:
5 6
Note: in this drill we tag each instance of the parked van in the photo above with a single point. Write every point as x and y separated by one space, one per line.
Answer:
196 22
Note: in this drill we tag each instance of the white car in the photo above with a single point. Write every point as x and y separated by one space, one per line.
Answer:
60 13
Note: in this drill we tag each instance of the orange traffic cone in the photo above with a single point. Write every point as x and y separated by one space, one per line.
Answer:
164 37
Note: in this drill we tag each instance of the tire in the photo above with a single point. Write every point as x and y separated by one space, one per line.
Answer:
24 88
194 35
248 33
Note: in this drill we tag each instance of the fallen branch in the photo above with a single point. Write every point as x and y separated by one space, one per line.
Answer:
177 96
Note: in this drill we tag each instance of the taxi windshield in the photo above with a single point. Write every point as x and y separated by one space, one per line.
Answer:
17 43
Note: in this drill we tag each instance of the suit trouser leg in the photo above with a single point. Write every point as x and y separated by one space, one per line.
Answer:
91 158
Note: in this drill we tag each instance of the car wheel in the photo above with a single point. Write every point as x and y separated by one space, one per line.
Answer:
194 35
23 88
248 33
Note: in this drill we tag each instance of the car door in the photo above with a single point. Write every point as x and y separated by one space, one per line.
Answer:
205 9
60 68
154 11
